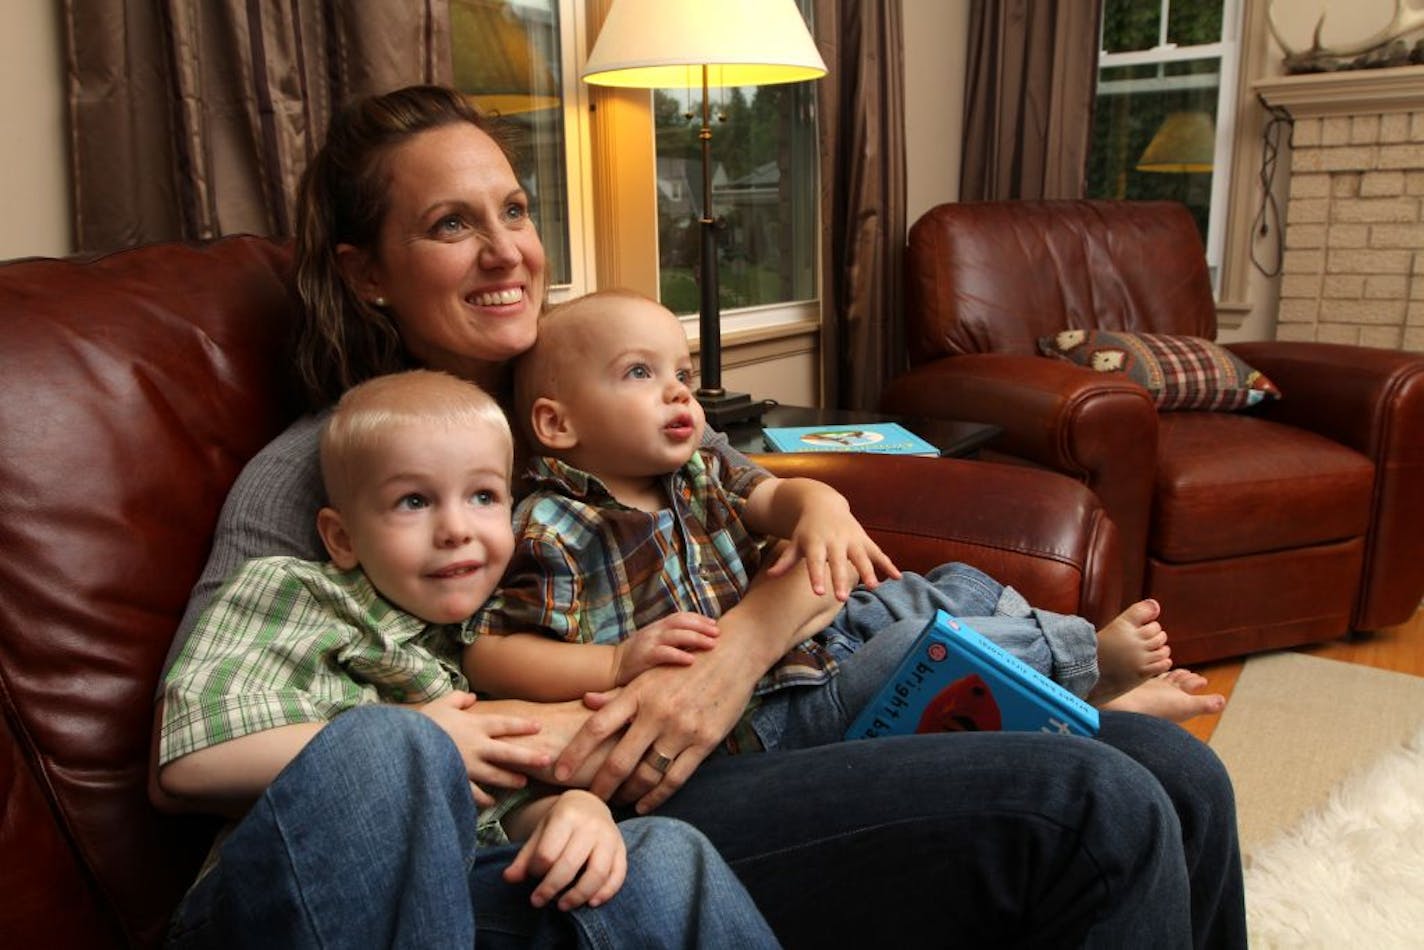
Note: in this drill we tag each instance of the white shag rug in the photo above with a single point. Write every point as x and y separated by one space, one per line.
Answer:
1351 872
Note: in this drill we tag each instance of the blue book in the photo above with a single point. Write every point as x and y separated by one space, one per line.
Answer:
888 438
956 680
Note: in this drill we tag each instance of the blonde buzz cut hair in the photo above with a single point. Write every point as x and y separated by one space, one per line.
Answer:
368 412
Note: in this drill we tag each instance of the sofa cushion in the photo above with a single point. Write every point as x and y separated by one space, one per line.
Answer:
1181 372
135 388
1230 485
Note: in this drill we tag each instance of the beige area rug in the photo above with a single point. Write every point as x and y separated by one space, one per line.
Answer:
1328 763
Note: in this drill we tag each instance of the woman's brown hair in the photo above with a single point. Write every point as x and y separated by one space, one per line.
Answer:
342 339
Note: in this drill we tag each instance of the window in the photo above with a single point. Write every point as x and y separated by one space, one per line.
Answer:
763 194
518 57
511 57
1162 122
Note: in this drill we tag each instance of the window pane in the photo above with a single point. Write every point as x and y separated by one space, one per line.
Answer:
1193 23
763 194
1153 136
507 59
1131 25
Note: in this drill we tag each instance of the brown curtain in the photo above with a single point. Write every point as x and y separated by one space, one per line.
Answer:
191 119
1028 98
862 131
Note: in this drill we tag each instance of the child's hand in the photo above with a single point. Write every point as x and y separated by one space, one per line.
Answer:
831 541
666 642
575 843
480 738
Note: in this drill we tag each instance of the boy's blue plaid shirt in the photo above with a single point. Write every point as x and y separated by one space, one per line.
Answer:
588 569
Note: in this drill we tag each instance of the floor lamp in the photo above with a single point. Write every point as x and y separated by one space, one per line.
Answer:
1184 144
662 44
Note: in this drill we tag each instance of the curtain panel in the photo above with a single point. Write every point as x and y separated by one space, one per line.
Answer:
1028 98
191 119
862 132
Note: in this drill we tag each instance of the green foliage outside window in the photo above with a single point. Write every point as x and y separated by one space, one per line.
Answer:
763 194
1134 101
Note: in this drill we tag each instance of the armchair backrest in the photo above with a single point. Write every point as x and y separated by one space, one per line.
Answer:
994 276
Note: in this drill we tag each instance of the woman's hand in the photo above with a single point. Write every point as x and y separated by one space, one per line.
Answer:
481 736
682 712
576 848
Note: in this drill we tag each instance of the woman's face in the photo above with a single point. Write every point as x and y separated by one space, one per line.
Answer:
458 260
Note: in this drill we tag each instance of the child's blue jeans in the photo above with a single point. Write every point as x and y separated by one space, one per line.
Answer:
367 839
875 629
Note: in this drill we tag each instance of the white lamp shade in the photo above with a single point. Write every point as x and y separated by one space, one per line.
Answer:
656 44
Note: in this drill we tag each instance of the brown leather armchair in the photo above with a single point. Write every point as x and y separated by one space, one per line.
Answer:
132 390
1294 521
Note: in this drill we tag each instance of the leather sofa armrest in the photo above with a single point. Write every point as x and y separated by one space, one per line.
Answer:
1098 428
1043 406
1350 394
1371 400
1044 534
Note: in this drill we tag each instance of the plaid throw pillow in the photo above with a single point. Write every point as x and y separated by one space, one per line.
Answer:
1181 372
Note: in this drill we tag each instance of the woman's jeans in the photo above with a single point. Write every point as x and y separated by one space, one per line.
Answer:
367 839
983 839
965 839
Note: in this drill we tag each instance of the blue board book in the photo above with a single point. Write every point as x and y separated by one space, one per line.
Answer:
888 438
956 680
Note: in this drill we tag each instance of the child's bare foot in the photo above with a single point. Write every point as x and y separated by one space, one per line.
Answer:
1172 696
1132 649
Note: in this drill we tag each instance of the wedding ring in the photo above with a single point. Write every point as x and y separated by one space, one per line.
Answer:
657 760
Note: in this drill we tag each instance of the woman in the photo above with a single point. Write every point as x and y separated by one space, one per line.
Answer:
416 248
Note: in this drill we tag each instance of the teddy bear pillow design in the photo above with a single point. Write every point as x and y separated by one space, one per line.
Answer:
1181 372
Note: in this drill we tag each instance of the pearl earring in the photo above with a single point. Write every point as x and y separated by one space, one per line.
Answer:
379 302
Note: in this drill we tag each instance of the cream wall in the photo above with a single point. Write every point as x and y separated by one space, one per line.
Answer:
34 191
935 36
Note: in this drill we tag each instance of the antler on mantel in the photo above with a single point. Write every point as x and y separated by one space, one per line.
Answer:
1385 48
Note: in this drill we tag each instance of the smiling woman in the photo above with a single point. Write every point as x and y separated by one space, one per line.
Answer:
1137 800
440 264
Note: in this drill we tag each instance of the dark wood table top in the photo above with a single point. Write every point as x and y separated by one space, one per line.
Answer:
954 439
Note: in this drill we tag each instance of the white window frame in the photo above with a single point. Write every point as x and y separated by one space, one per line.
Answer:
1228 49
578 154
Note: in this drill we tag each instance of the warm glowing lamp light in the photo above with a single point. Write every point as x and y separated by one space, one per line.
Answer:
505 67
1185 142
656 44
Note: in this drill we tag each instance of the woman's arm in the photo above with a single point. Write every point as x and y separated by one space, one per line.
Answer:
538 668
535 667
683 712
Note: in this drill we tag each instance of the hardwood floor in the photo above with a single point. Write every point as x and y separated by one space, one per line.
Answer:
1398 648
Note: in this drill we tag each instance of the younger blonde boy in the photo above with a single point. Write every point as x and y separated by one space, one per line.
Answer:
637 536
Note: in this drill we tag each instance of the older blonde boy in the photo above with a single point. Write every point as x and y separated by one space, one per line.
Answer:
417 471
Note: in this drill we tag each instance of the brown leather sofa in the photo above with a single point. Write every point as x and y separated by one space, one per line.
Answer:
132 390
1290 522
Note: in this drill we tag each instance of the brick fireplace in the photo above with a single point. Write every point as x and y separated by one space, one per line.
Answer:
1353 268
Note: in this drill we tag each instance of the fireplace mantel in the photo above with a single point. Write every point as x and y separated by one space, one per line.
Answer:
1346 92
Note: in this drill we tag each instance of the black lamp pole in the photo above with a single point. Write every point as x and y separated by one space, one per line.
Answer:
720 406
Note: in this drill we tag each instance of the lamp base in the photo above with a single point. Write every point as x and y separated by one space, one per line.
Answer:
723 408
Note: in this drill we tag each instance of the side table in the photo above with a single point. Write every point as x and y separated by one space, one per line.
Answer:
953 438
